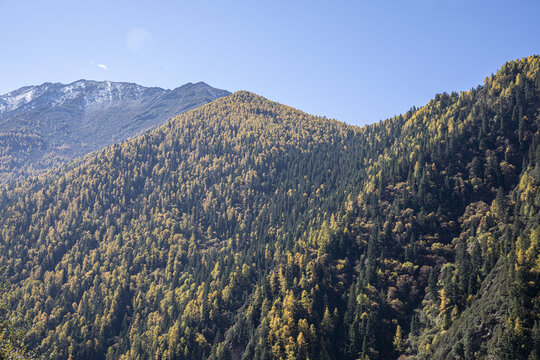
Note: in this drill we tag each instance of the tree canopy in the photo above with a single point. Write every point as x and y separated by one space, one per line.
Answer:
248 229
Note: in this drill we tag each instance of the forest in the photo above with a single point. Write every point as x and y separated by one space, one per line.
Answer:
247 229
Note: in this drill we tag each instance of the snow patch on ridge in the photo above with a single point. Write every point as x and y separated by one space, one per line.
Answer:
13 100
88 91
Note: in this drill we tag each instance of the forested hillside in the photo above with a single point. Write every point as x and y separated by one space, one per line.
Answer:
246 229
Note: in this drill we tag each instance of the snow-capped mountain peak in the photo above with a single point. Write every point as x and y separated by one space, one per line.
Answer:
82 92
58 122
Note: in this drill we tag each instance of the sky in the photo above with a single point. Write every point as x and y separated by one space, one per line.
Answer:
356 61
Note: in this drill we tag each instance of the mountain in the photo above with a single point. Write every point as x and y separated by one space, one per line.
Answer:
246 229
46 125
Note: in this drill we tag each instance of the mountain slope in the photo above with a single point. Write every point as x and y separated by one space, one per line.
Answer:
188 195
43 126
248 229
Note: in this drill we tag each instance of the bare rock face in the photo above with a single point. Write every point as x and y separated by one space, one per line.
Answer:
44 126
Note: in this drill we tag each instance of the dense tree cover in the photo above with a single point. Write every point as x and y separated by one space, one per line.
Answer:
12 335
18 149
248 229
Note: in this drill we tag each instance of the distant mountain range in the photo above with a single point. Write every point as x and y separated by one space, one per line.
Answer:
46 125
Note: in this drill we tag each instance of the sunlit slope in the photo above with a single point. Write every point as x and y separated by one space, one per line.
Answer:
195 203
248 229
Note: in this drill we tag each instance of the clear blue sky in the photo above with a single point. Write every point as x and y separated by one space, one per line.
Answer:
356 61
